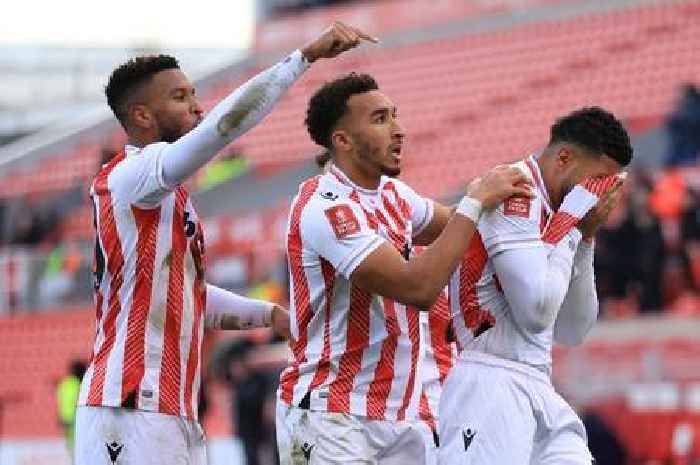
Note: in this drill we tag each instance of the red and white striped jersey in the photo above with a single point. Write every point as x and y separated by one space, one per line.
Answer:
150 293
481 316
438 358
352 352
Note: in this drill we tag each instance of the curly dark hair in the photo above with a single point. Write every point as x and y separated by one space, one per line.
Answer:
595 130
330 103
134 72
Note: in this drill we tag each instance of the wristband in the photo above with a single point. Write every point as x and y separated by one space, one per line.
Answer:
471 208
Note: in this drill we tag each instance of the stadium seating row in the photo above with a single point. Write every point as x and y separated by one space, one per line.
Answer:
477 99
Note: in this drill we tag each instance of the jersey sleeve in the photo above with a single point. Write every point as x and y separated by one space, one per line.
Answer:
515 223
339 233
138 179
420 208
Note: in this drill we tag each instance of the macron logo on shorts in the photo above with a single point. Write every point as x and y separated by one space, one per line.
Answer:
343 220
468 435
114 449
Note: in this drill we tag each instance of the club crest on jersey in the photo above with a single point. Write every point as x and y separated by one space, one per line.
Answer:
343 221
517 206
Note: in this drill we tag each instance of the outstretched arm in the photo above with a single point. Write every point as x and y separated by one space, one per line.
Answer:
227 310
249 104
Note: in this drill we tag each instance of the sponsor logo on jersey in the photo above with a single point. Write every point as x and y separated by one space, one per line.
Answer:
517 206
343 221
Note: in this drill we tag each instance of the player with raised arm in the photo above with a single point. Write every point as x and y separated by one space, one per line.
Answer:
351 390
139 397
526 282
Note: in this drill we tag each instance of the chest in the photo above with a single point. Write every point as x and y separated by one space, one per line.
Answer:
389 217
187 231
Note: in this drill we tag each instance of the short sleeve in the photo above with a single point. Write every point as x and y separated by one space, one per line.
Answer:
138 179
339 233
514 224
420 208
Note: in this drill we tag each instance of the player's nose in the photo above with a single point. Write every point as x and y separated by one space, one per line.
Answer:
197 108
397 130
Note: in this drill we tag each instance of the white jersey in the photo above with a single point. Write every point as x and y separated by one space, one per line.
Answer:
352 352
482 318
149 290
439 357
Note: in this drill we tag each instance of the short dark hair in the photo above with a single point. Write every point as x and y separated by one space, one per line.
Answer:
330 103
596 130
134 72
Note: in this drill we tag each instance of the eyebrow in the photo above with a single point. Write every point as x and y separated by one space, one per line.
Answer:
381 110
184 89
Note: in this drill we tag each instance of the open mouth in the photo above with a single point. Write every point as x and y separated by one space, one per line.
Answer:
395 151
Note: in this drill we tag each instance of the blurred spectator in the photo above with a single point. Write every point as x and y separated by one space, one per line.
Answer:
621 269
603 443
690 234
67 399
225 168
29 224
4 211
59 276
684 128
253 408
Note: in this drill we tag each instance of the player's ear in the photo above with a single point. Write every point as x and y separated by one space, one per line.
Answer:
341 140
564 156
140 116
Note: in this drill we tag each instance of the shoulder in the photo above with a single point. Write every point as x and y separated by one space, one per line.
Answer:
321 192
323 205
137 159
516 213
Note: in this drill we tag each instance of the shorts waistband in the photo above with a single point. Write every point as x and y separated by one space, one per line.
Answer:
492 360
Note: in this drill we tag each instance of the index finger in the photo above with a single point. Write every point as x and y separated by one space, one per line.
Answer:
364 35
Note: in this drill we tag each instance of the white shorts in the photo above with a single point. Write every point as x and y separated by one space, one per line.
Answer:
307 437
115 436
431 443
494 411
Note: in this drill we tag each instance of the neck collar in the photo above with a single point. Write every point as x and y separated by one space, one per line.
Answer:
534 167
345 180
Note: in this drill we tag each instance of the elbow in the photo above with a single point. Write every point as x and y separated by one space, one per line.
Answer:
421 295
537 322
537 316
540 303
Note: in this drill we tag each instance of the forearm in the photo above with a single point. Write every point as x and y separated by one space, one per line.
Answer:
227 310
441 215
428 273
579 311
417 281
535 281
231 118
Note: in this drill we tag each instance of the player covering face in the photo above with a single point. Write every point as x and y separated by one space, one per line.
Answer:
139 397
526 282
351 391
